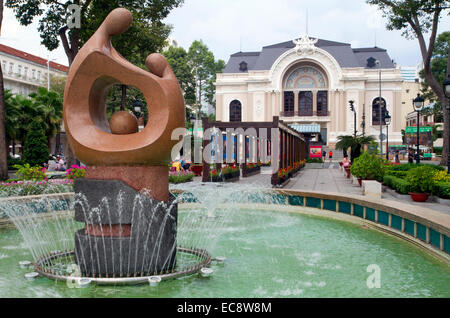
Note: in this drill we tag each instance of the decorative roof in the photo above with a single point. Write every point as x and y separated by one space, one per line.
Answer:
32 58
344 54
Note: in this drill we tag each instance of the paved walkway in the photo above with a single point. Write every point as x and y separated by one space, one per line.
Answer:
332 179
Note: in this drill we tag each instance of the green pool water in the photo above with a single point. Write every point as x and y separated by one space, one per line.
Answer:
269 254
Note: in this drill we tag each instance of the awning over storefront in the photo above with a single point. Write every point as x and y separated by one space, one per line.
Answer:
309 129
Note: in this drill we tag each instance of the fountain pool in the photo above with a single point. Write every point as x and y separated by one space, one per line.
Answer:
268 254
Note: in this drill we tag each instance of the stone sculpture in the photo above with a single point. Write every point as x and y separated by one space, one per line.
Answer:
119 159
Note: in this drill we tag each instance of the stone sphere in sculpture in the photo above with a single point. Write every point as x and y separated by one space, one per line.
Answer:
123 123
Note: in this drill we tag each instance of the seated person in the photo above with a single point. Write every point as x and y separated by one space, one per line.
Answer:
346 162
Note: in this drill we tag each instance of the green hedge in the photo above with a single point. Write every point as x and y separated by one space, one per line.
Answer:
14 161
314 160
438 151
181 178
398 184
409 166
398 174
442 190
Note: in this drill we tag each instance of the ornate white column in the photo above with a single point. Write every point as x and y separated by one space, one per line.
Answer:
296 102
314 102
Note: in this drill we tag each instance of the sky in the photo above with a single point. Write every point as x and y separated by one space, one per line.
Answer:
230 26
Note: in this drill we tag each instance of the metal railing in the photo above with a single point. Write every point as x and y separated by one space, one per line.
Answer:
305 113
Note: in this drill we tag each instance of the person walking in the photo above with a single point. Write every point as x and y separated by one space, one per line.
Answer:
324 156
330 155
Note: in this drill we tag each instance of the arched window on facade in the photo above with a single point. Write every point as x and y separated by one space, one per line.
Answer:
322 103
235 111
289 105
308 84
376 110
305 103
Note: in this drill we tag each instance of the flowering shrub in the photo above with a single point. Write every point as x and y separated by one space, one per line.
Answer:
282 173
75 172
441 176
180 176
26 172
23 188
214 173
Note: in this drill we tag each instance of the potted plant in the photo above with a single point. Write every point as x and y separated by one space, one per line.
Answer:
367 167
197 169
421 182
282 175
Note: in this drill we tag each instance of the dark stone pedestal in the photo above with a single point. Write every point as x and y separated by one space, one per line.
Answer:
110 206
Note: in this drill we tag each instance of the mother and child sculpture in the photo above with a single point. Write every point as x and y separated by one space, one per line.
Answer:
130 217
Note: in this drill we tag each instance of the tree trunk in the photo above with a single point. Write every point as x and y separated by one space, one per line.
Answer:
444 102
71 52
3 147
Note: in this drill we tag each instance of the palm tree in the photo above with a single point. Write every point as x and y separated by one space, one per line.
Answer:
50 106
12 115
354 143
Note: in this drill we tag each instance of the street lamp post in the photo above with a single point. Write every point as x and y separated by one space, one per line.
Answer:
378 63
447 107
352 108
418 104
387 120
48 72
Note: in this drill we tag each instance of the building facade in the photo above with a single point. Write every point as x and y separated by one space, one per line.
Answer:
309 83
23 73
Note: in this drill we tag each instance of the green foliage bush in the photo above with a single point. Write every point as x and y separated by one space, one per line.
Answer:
26 172
409 166
24 188
398 184
420 179
314 160
368 167
442 190
438 151
398 174
14 161
180 177
36 146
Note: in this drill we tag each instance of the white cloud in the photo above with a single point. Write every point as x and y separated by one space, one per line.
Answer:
27 38
227 25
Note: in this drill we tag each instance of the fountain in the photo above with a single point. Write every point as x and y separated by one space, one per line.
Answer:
124 226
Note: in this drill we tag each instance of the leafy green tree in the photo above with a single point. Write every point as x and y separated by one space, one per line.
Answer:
439 69
49 104
43 106
179 62
354 143
35 147
205 68
416 18
146 35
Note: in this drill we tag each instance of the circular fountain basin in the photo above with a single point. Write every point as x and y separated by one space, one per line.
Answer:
303 255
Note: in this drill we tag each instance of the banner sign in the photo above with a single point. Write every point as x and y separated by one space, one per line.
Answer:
425 136
315 151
